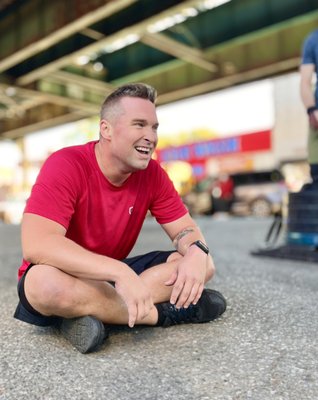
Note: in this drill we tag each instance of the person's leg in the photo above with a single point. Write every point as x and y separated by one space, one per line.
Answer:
53 292
25 312
82 306
211 305
155 277
85 304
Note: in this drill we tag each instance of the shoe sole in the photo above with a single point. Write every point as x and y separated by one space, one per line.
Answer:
86 334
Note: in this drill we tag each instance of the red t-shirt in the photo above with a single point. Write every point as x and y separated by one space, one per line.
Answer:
71 190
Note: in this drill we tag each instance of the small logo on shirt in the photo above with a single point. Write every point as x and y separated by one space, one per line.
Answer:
130 210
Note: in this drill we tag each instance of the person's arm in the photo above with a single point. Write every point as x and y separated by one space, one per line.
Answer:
306 90
44 242
194 268
307 93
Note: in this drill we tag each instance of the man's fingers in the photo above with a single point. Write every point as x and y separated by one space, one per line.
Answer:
141 311
144 309
199 294
138 311
176 292
151 304
132 315
193 295
189 294
185 295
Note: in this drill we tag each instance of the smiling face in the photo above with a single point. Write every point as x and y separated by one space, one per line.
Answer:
130 132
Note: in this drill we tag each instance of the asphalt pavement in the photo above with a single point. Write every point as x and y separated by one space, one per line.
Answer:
264 347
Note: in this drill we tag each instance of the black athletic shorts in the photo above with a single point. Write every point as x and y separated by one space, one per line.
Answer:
25 312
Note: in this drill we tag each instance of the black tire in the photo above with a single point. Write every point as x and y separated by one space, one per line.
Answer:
261 207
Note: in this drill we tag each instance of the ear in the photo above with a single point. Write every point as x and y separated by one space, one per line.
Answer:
105 129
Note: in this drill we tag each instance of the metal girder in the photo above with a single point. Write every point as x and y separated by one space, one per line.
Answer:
32 124
270 51
80 23
137 30
47 97
178 50
202 54
228 81
103 88
16 108
39 110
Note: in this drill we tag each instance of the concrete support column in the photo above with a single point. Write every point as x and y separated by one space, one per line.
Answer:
24 164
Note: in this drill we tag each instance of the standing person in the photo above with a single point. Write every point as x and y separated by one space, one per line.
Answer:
222 193
309 96
82 219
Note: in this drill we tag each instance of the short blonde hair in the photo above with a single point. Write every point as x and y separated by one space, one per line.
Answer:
139 90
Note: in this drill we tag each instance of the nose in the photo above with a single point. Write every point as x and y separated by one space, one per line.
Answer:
151 136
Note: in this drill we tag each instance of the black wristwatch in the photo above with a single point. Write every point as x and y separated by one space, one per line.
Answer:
201 245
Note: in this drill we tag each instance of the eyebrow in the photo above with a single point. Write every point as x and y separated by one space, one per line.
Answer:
144 121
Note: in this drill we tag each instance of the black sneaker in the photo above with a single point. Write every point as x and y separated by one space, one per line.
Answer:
86 334
210 306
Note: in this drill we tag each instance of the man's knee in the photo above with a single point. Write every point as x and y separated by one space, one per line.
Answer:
174 256
45 291
210 266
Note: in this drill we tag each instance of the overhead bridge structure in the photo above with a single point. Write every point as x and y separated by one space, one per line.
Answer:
59 59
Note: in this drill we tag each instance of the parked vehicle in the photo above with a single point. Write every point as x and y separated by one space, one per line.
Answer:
254 193
258 193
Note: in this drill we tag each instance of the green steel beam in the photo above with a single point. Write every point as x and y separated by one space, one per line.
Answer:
33 122
263 39
268 52
39 24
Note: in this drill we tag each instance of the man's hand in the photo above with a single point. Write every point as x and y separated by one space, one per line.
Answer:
188 278
135 295
313 119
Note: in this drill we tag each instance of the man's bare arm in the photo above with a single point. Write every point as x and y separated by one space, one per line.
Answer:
306 89
183 232
307 93
44 242
195 267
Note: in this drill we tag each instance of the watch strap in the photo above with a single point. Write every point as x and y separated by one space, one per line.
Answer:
201 245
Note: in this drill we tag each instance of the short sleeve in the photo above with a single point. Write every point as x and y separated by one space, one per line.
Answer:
55 192
308 52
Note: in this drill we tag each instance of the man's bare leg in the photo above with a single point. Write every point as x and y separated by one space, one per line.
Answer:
85 304
52 292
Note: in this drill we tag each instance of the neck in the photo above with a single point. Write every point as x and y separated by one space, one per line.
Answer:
111 173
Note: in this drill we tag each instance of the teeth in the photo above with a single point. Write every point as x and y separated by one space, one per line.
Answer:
143 149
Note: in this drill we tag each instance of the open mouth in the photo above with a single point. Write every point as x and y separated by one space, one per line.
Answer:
143 150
